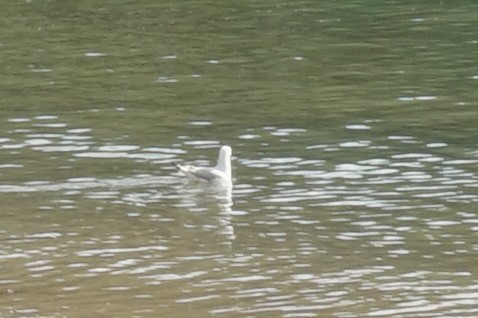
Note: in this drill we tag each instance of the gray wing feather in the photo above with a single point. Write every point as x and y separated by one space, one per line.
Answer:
204 174
200 173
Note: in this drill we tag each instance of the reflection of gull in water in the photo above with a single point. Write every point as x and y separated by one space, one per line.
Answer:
211 197
220 174
225 204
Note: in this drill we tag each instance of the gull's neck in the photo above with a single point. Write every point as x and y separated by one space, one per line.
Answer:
224 163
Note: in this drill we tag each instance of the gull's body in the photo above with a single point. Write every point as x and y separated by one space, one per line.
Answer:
221 173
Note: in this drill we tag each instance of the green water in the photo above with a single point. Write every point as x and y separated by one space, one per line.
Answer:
353 129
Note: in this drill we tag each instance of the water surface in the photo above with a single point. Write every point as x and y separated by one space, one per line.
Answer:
353 128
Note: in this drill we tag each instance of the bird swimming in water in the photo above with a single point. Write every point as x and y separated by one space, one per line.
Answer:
219 174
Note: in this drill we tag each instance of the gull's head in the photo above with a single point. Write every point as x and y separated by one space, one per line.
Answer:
225 152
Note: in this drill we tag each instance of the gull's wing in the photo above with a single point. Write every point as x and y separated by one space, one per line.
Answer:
200 173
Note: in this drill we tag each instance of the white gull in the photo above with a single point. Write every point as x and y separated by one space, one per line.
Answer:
220 174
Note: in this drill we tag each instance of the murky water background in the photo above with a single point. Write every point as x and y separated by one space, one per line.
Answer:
353 128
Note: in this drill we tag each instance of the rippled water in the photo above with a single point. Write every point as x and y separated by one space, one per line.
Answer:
354 160
383 235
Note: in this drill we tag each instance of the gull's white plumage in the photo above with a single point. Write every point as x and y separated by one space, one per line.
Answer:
221 173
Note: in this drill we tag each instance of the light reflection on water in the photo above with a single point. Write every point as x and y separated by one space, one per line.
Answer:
296 236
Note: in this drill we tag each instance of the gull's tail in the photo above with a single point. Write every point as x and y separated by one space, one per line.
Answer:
179 166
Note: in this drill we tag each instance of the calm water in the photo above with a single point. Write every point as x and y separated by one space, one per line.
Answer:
353 128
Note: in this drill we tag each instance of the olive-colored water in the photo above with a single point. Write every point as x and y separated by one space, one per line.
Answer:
353 126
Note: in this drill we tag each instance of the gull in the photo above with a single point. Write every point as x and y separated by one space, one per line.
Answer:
219 174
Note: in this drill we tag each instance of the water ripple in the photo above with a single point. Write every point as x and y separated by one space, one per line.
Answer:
313 228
